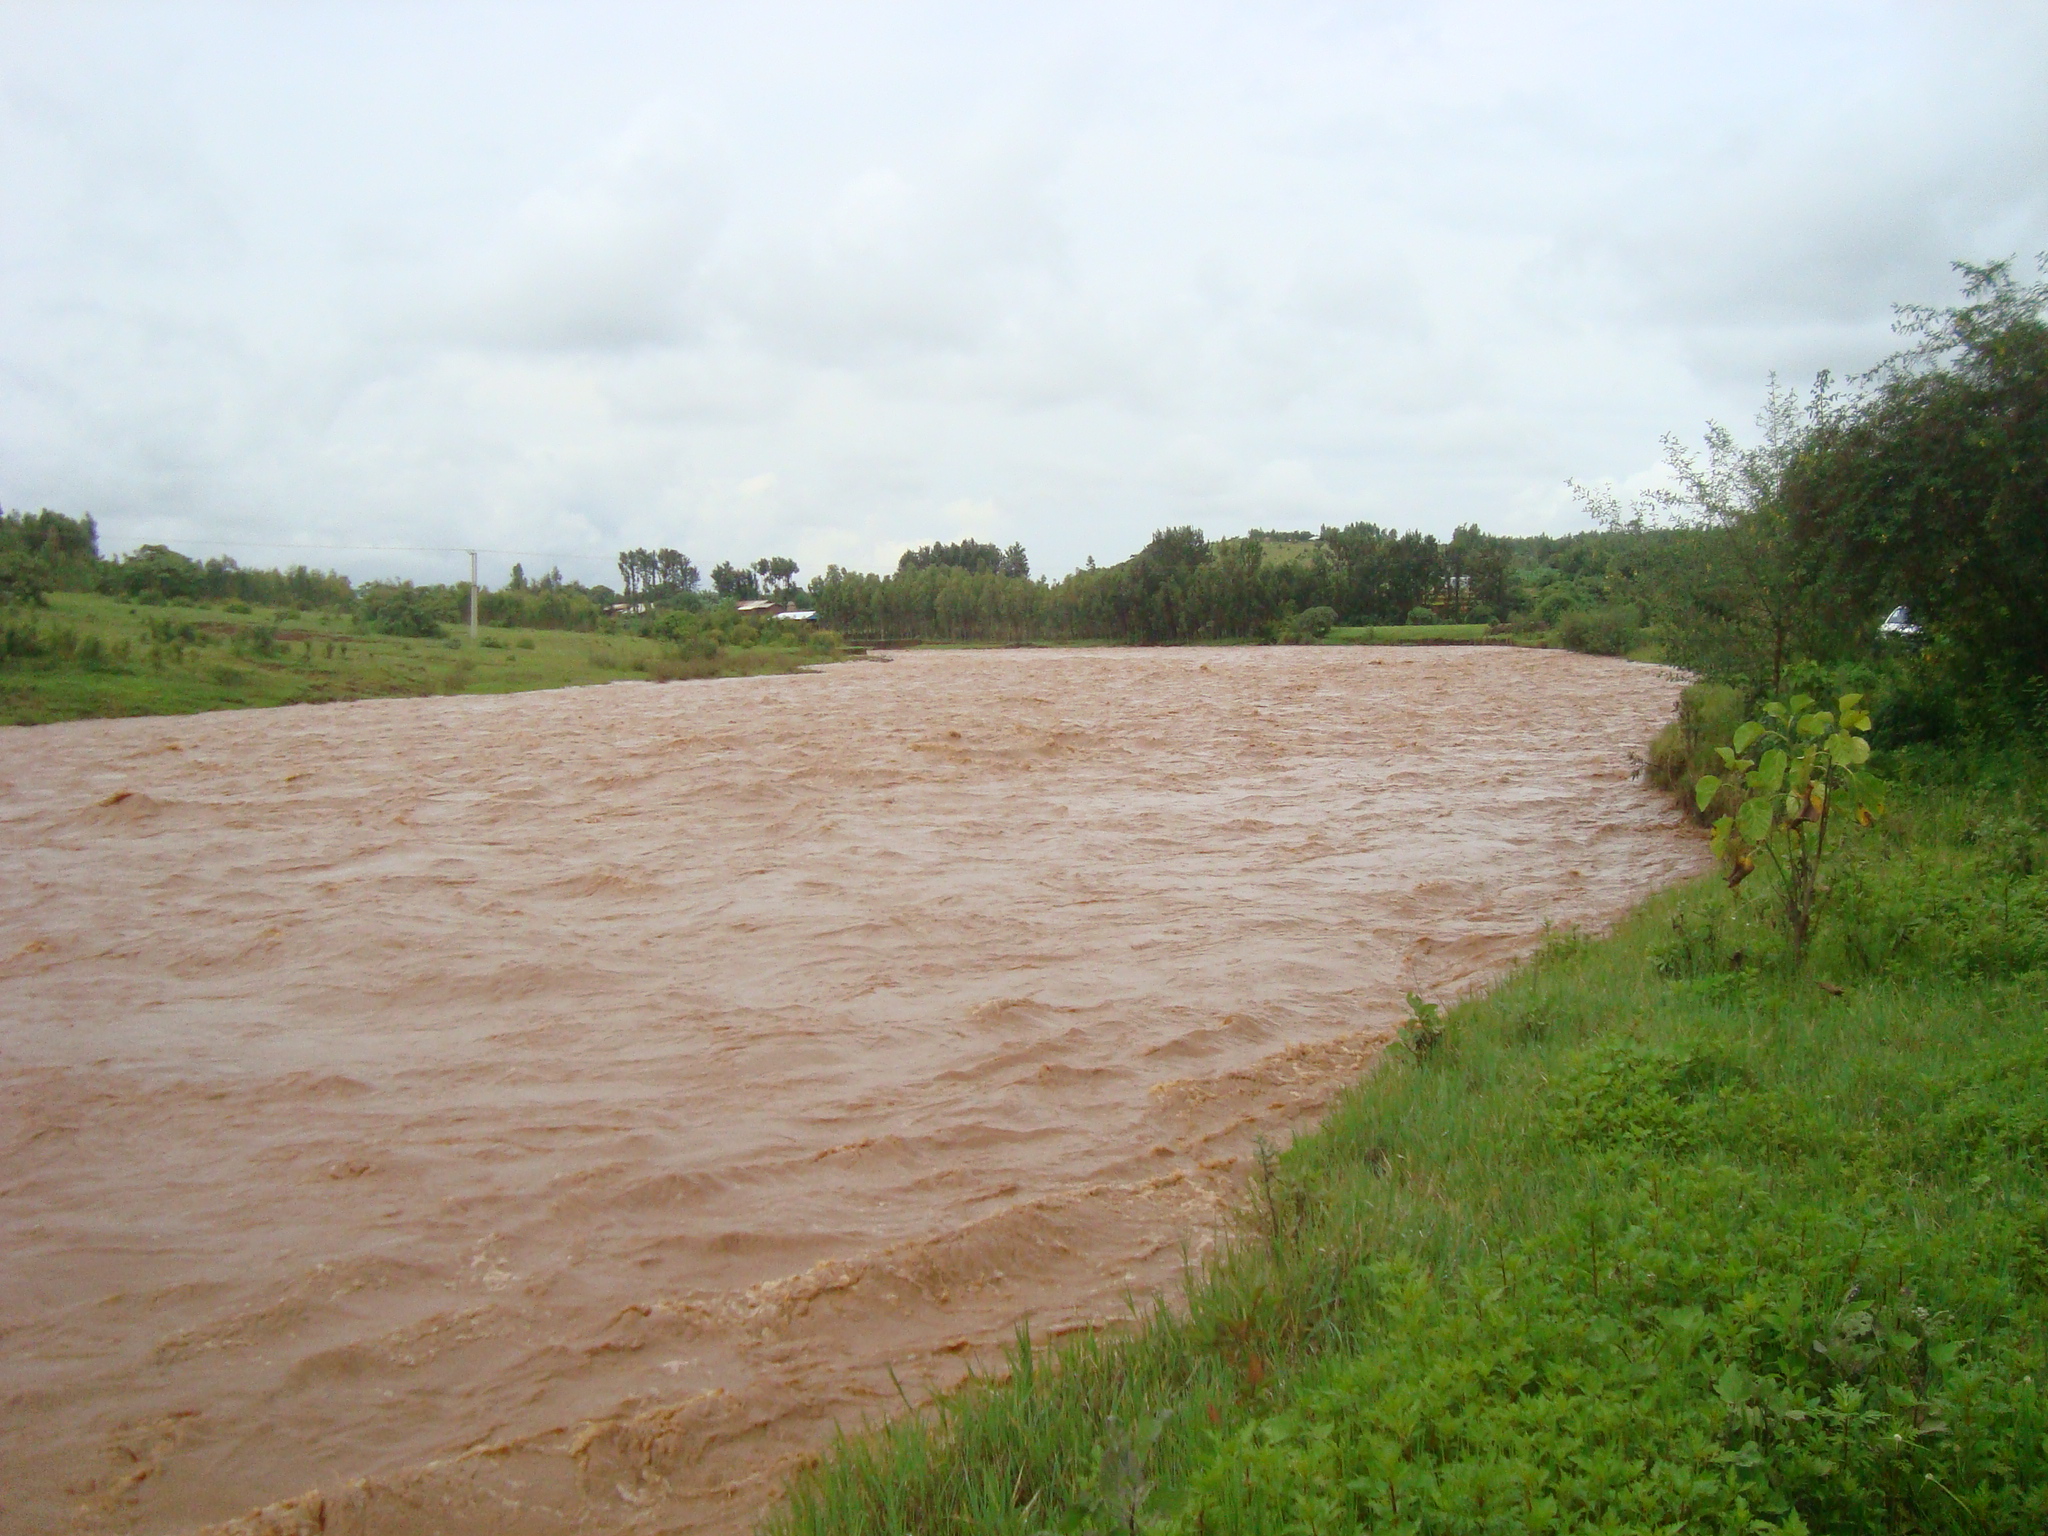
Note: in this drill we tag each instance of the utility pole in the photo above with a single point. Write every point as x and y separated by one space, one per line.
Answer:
472 597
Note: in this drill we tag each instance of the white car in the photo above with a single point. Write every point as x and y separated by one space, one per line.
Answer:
1898 622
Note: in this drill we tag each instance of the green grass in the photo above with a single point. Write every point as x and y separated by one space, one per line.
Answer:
97 656
1662 1235
1290 551
1406 634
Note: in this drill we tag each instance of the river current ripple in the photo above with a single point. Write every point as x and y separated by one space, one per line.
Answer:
555 1111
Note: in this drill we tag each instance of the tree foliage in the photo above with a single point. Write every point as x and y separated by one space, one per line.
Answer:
1929 487
968 555
1181 586
655 575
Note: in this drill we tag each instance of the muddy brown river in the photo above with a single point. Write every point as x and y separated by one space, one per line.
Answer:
554 1112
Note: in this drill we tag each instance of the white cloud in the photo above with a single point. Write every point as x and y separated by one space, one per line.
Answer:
566 279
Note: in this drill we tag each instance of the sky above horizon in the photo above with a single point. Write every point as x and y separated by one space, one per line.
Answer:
336 282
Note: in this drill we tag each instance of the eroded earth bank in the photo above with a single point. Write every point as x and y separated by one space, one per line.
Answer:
554 1111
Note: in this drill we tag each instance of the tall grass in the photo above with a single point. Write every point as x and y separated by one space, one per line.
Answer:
1662 1234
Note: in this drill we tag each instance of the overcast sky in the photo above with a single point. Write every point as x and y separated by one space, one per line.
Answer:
829 281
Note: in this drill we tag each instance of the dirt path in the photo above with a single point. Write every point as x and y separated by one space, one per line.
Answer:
553 1111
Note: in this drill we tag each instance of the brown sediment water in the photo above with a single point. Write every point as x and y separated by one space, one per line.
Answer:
555 1111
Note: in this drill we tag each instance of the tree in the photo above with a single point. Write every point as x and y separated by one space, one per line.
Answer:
1476 571
967 555
64 550
649 575
156 570
636 573
24 578
674 574
735 582
1930 487
1737 594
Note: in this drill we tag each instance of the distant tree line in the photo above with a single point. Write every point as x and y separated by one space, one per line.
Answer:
968 555
1181 586
46 551
1924 484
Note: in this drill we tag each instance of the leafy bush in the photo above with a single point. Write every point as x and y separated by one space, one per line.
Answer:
1600 632
1425 1028
1311 624
24 579
21 640
1683 752
400 608
256 640
1420 615
1785 798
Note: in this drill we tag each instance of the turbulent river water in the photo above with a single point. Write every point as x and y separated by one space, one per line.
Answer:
555 1111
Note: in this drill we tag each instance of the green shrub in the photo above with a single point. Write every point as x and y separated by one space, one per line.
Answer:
21 640
258 640
24 579
1420 615
1601 631
1808 776
1683 751
1311 624
400 608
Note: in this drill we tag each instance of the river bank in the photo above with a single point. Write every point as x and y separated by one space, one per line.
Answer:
1664 1231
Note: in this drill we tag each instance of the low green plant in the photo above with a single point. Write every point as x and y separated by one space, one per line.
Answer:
1683 751
1424 1029
1600 631
1311 624
256 641
1808 760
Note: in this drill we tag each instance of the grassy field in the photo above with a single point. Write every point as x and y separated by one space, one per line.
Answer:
1660 1234
96 656
1407 634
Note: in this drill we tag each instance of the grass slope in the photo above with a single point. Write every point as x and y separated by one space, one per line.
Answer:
97 656
1407 634
1660 1235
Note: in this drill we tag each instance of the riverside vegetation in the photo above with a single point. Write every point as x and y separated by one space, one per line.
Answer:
1923 486
1733 1220
79 655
